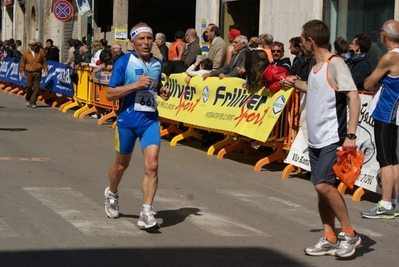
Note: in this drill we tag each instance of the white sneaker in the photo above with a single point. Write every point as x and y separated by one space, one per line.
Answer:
97 116
111 204
147 220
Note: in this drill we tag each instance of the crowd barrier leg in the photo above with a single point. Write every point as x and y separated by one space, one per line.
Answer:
228 140
21 92
277 155
45 95
8 88
114 125
341 188
15 90
80 110
240 144
172 128
70 105
357 196
61 108
2 86
59 101
287 170
87 112
107 117
189 133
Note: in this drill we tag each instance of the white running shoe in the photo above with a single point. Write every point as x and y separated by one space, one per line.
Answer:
147 220
111 204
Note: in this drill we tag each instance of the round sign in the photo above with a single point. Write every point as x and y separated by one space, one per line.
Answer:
63 10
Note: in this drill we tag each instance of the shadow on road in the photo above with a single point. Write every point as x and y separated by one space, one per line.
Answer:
170 217
196 256
13 129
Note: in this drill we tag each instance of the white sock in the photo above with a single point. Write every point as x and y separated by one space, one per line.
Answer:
146 208
386 204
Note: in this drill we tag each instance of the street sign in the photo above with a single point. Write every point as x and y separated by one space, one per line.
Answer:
63 10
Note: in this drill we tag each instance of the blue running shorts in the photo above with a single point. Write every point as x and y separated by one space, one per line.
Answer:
125 138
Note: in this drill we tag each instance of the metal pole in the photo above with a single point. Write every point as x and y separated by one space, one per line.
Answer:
41 14
89 35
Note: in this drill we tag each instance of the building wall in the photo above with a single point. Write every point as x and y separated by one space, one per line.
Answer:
284 19
207 11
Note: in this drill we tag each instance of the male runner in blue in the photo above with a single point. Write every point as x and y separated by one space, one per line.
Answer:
136 82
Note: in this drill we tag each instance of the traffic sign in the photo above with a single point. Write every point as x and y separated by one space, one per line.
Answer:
63 10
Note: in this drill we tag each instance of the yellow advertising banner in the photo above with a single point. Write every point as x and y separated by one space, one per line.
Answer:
223 104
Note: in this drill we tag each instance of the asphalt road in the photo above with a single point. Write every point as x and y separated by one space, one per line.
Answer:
212 212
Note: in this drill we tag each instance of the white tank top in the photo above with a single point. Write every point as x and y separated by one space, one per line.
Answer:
322 120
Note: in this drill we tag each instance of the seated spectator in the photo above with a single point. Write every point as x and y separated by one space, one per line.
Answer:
156 52
341 47
177 48
201 66
240 44
359 64
19 46
233 33
6 49
17 55
160 40
301 63
51 52
71 52
218 48
85 56
116 51
189 55
255 63
205 45
96 49
261 73
278 57
77 44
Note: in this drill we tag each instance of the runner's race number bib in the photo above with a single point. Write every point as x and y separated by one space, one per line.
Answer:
146 100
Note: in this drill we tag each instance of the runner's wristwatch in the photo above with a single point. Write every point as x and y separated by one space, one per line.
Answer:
351 136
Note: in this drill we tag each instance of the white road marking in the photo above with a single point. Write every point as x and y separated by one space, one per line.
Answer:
286 209
206 220
6 231
83 213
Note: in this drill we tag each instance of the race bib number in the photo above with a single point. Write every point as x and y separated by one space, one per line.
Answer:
146 101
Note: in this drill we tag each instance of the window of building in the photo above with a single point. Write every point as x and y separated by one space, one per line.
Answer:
350 17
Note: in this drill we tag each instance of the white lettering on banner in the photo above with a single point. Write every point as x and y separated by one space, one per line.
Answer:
63 75
15 68
4 66
301 159
368 178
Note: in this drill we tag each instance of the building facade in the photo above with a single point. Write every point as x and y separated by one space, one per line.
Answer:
111 19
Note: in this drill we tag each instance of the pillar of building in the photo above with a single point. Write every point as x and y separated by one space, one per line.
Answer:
206 11
120 22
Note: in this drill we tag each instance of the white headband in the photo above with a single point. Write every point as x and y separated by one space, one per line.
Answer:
140 30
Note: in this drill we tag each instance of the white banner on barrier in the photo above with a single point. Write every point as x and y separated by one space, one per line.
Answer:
369 178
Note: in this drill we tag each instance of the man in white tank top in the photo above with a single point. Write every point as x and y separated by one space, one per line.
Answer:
329 88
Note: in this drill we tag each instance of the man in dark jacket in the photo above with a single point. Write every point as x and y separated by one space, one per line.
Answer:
278 57
52 52
359 64
240 44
